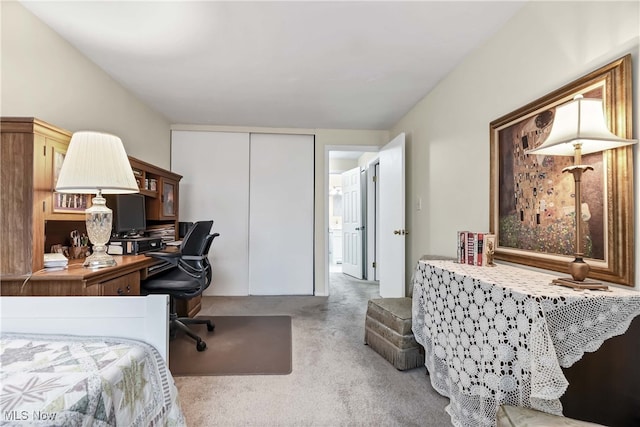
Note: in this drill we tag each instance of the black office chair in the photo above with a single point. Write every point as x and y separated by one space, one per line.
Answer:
190 276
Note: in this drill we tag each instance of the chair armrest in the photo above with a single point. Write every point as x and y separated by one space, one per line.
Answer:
194 257
193 265
171 257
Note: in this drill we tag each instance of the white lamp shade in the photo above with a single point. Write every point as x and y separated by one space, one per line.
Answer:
96 161
580 121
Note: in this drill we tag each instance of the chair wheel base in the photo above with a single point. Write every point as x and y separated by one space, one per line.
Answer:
210 327
201 345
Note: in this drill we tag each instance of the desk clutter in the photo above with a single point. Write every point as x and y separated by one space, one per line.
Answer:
165 232
77 248
133 246
55 261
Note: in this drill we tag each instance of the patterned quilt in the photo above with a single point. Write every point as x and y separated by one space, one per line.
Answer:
63 380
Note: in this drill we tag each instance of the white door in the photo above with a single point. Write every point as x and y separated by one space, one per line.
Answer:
215 185
352 224
391 262
281 213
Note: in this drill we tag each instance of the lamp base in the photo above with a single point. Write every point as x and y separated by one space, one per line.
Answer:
579 284
99 260
578 269
99 219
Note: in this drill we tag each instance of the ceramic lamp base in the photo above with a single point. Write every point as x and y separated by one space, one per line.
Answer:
99 219
578 269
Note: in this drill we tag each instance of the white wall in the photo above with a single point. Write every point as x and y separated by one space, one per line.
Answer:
545 46
342 165
43 76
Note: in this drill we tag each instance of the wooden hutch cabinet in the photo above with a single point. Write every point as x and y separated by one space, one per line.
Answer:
28 149
32 154
33 216
161 190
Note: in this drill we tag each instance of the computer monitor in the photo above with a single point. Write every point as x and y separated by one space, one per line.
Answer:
129 217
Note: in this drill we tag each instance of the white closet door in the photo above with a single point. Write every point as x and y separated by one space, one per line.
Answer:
215 185
281 215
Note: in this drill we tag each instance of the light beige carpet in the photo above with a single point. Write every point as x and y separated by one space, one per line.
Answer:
336 380
239 345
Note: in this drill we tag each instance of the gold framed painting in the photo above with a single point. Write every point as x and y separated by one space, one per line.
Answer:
532 201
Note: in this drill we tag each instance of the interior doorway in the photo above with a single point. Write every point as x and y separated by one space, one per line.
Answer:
349 240
386 232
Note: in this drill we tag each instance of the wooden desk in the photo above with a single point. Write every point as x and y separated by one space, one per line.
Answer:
121 279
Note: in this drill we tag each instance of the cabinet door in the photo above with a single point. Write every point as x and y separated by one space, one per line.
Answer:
189 307
128 285
61 205
163 206
168 199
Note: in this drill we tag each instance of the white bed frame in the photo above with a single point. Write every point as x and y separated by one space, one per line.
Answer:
142 318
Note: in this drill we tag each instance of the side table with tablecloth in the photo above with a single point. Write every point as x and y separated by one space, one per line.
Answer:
501 335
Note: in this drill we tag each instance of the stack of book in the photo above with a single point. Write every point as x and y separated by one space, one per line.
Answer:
473 247
165 232
55 261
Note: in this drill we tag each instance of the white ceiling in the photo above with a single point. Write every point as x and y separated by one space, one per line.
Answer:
335 65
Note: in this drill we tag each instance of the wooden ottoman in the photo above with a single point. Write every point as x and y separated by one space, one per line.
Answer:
388 332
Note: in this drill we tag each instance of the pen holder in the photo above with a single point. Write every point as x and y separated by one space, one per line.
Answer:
77 252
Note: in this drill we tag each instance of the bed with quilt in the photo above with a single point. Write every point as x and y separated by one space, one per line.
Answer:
83 379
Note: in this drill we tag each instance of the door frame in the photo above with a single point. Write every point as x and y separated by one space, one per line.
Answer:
327 149
373 224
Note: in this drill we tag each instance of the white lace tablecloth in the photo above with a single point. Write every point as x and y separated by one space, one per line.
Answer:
500 335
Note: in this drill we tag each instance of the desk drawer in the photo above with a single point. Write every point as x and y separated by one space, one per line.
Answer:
189 308
128 285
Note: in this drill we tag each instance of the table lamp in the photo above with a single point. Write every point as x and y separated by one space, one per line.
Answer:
96 163
579 127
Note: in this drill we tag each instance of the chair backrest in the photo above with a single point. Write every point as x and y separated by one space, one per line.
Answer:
196 270
207 264
195 241
208 241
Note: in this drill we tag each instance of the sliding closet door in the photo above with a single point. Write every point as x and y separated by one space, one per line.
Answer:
215 185
281 214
